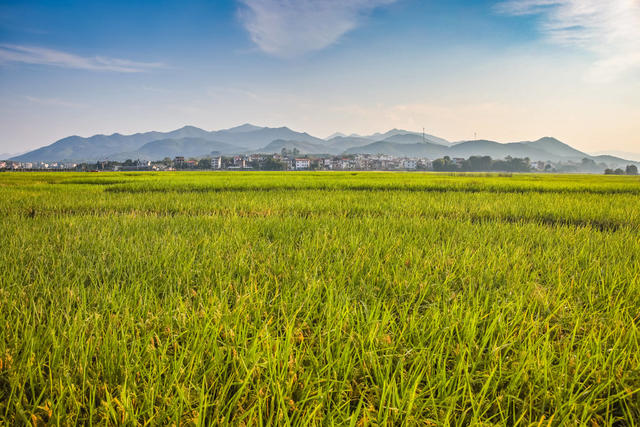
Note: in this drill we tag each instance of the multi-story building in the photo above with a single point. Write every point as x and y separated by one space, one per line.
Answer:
426 164
239 162
409 164
301 164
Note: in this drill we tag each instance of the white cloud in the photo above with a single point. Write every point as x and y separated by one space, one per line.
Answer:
45 56
608 28
292 27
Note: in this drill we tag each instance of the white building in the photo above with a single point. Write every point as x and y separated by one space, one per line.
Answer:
346 164
427 164
302 164
216 163
409 164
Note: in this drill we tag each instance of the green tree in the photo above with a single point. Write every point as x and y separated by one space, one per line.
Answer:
204 164
445 164
254 164
478 164
272 165
632 170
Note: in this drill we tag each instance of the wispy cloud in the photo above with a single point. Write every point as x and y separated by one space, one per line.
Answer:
57 58
609 28
54 102
292 27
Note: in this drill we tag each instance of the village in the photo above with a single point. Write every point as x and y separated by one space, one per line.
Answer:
294 161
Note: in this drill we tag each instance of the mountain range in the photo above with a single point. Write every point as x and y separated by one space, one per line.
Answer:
623 154
191 141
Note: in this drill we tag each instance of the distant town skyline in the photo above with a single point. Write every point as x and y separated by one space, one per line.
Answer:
499 70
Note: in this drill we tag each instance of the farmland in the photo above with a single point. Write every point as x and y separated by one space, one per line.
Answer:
319 298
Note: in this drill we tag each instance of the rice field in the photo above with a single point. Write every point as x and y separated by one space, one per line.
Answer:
319 299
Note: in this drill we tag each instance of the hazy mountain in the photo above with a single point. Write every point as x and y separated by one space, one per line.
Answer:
78 148
498 151
557 148
100 147
247 127
544 149
186 147
619 154
335 135
339 144
302 146
382 136
399 143
258 138
187 132
190 141
428 150
410 138
400 132
613 161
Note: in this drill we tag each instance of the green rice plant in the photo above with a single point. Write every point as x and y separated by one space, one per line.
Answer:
319 298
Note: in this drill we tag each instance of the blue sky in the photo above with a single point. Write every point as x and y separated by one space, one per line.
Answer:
506 70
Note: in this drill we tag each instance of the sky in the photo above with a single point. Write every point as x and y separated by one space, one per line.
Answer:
505 70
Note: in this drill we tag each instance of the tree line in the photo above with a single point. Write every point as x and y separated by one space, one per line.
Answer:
482 164
630 170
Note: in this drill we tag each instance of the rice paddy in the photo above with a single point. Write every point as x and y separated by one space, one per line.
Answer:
319 299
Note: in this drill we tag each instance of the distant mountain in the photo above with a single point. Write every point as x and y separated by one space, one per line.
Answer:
186 132
557 148
498 151
340 144
258 138
244 128
427 150
544 149
399 143
382 136
186 147
335 135
619 154
190 141
302 146
102 147
397 132
613 161
409 138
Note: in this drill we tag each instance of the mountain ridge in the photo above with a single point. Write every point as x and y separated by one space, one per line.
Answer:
191 141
